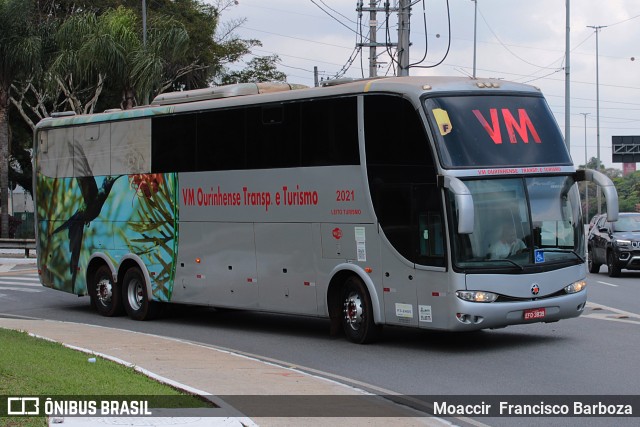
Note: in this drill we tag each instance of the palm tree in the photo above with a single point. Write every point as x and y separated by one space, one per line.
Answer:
20 48
110 46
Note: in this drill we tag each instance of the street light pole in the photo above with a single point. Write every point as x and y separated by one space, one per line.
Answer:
586 184
597 30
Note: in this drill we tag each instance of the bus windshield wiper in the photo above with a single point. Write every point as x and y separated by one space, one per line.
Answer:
506 260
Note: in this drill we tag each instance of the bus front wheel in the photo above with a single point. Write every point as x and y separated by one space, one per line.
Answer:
357 313
135 296
104 293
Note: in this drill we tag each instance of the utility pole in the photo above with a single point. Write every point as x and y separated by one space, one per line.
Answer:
373 44
597 29
373 29
475 30
404 17
567 82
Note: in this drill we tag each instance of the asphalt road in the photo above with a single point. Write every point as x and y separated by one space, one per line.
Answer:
596 354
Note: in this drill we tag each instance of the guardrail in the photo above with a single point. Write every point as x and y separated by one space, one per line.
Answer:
26 244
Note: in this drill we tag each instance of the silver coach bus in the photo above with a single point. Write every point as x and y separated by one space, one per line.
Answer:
428 202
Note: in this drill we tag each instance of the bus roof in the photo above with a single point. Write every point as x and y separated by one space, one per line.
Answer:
251 93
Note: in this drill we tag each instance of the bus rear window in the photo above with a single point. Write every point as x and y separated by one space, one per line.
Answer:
496 131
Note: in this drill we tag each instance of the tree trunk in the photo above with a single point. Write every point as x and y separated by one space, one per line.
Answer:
4 163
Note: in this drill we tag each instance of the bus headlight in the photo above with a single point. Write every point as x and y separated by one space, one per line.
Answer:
575 287
477 296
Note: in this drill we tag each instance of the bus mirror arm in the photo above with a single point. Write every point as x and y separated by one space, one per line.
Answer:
464 203
609 190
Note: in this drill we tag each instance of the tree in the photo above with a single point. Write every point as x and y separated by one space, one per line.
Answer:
20 50
628 192
259 69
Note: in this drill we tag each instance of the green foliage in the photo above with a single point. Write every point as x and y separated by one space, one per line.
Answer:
259 69
628 192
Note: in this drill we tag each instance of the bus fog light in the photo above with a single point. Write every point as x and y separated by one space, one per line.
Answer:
477 296
575 287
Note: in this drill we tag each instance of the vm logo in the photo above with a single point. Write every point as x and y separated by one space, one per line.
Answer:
522 126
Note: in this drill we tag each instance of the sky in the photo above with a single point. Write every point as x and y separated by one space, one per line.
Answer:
517 40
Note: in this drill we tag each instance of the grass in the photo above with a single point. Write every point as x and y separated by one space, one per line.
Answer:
34 367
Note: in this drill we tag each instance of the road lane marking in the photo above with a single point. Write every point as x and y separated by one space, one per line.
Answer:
21 289
615 314
608 284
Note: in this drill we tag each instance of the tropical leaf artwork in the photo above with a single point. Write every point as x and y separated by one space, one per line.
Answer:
137 215
152 230
56 199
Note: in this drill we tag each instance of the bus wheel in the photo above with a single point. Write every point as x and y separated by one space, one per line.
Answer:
104 293
136 300
357 313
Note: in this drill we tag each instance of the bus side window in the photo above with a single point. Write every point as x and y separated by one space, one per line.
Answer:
273 136
329 129
221 140
174 143
402 179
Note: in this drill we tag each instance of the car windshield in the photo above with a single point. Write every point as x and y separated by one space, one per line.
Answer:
627 223
521 222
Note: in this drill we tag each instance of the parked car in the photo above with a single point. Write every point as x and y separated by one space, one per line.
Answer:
616 244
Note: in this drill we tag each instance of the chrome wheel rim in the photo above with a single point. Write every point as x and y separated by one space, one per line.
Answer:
353 312
135 294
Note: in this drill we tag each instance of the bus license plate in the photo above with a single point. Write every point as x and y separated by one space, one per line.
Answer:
535 313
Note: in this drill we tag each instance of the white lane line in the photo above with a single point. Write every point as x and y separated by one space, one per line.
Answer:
12 282
21 289
608 284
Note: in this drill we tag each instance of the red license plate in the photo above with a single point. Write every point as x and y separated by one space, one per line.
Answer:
535 313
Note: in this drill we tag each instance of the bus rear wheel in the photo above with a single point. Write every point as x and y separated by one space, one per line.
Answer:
104 293
357 313
135 296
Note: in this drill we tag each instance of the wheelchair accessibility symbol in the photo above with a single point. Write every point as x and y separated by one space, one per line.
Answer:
539 256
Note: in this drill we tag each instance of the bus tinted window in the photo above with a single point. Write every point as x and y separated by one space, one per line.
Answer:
303 133
329 129
402 179
174 143
496 131
221 141
273 136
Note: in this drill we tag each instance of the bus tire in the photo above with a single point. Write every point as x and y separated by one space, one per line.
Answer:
135 297
357 312
104 293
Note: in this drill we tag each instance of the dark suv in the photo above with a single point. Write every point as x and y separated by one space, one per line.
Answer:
616 244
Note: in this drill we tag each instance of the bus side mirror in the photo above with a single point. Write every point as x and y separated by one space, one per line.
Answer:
608 189
464 203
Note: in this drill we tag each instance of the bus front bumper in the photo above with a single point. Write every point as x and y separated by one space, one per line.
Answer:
469 316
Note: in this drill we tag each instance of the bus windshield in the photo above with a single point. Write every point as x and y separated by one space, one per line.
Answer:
522 222
496 131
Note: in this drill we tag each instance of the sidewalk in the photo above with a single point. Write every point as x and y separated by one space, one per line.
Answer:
224 377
